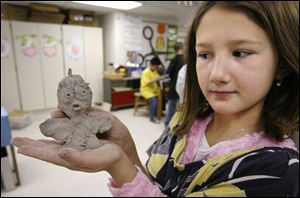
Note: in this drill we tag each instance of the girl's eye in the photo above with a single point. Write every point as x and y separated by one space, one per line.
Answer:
205 55
83 91
241 53
68 94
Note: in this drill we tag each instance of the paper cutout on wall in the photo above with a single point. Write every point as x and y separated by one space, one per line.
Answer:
5 47
160 41
75 48
50 46
27 45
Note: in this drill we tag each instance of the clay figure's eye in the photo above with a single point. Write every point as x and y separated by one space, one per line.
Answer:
68 94
83 92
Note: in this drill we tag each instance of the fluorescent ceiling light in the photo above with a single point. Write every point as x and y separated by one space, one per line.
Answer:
122 5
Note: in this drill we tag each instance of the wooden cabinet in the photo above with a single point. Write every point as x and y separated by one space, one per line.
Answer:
73 49
10 97
39 63
51 61
27 56
122 98
120 92
83 52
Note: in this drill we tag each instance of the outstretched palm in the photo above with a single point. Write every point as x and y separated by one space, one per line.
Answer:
52 151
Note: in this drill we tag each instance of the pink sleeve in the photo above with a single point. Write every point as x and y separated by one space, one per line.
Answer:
140 186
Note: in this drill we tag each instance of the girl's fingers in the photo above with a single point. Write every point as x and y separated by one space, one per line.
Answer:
54 142
57 114
47 144
20 141
46 155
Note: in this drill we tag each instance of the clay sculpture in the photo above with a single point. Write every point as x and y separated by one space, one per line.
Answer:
80 128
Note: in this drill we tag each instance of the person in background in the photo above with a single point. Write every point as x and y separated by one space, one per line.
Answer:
181 83
161 69
232 135
150 88
174 66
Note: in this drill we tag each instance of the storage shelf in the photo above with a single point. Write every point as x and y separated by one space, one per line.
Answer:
120 98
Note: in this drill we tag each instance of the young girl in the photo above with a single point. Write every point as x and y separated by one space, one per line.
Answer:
231 137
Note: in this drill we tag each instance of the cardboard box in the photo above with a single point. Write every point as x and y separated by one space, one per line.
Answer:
47 17
83 23
113 75
44 7
81 17
19 119
14 12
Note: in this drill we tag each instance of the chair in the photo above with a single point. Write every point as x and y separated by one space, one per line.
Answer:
140 104
7 177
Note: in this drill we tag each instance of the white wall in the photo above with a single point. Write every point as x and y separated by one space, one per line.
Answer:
110 39
10 97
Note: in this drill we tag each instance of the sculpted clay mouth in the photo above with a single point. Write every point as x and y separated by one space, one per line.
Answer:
76 107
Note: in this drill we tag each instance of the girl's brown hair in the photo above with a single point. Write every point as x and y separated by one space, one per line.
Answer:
280 20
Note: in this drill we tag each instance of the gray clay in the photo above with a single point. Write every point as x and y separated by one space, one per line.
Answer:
80 128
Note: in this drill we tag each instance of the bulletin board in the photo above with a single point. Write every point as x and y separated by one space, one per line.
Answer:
135 43
164 38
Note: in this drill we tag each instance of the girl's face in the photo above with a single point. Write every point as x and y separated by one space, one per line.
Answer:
235 63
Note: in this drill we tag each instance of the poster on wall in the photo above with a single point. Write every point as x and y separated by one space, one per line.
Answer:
5 47
160 39
50 46
154 42
74 49
172 38
28 46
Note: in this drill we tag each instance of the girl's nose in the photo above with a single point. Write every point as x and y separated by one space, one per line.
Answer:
219 72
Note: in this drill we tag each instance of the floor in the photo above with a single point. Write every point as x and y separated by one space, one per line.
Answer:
39 179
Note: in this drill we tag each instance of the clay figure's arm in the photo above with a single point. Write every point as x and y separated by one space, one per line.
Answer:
100 122
58 128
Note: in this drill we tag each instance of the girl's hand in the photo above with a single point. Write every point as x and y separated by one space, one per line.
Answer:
91 160
109 157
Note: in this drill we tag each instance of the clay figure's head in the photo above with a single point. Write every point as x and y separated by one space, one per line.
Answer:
74 95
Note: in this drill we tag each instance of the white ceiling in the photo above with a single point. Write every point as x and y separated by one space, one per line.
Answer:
165 10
